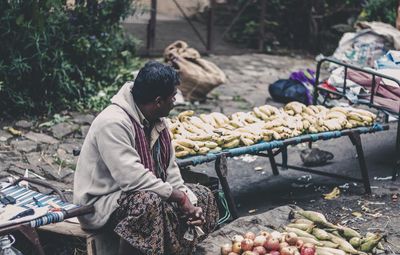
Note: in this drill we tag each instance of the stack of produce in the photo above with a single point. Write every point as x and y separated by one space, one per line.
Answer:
215 131
308 234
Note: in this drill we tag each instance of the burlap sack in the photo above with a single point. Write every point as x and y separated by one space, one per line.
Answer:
198 76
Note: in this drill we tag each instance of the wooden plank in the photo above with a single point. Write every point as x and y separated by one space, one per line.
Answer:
68 229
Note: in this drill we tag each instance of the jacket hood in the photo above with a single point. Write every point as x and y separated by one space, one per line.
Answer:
124 99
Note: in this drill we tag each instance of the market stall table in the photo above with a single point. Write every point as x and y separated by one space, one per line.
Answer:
273 148
26 198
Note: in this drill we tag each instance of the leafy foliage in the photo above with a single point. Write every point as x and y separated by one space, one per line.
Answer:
380 10
55 56
303 24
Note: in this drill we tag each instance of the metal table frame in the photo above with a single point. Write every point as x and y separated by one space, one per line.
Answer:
273 148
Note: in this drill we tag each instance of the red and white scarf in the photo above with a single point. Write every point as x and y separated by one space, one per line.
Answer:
158 158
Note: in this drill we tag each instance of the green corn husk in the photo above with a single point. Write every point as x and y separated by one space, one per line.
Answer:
317 218
321 234
310 240
331 250
348 232
305 227
299 232
313 216
380 246
355 242
319 252
370 243
324 253
303 221
369 235
336 233
329 244
343 244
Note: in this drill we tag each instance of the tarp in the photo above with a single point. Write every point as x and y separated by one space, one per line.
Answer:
268 221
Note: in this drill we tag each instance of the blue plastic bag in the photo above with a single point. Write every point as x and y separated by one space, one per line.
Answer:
285 91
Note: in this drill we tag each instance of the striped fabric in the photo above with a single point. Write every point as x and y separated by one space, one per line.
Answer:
24 198
157 159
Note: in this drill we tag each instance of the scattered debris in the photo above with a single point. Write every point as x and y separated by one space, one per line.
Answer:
333 194
395 197
258 168
315 157
252 210
13 131
357 214
306 178
306 185
383 178
248 158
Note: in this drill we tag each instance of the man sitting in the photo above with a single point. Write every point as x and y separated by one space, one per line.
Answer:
127 171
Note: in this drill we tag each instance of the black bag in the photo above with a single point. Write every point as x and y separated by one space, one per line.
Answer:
285 91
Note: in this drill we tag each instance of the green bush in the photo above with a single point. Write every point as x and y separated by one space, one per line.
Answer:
55 57
312 25
380 10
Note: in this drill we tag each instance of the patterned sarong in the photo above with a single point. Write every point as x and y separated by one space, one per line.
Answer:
154 226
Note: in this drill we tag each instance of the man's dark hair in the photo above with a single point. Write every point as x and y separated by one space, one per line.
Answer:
153 80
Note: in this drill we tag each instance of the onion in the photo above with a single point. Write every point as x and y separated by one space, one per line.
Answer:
283 244
264 233
274 253
226 249
299 244
247 244
237 239
249 253
250 235
276 234
260 250
308 245
233 253
272 244
259 240
237 247
308 251
291 238
288 251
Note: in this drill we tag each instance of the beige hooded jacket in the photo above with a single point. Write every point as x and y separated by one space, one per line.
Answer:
109 163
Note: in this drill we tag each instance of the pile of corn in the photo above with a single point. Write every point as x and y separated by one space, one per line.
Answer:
312 227
193 135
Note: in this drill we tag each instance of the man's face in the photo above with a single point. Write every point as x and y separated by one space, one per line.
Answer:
165 105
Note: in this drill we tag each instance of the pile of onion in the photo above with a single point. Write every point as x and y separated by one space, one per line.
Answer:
266 243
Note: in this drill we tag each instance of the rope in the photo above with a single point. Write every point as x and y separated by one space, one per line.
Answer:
224 203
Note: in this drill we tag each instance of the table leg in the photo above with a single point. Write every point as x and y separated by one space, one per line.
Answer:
397 159
284 158
356 140
272 162
221 169
33 237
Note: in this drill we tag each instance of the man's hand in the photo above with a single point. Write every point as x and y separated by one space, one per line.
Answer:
193 214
